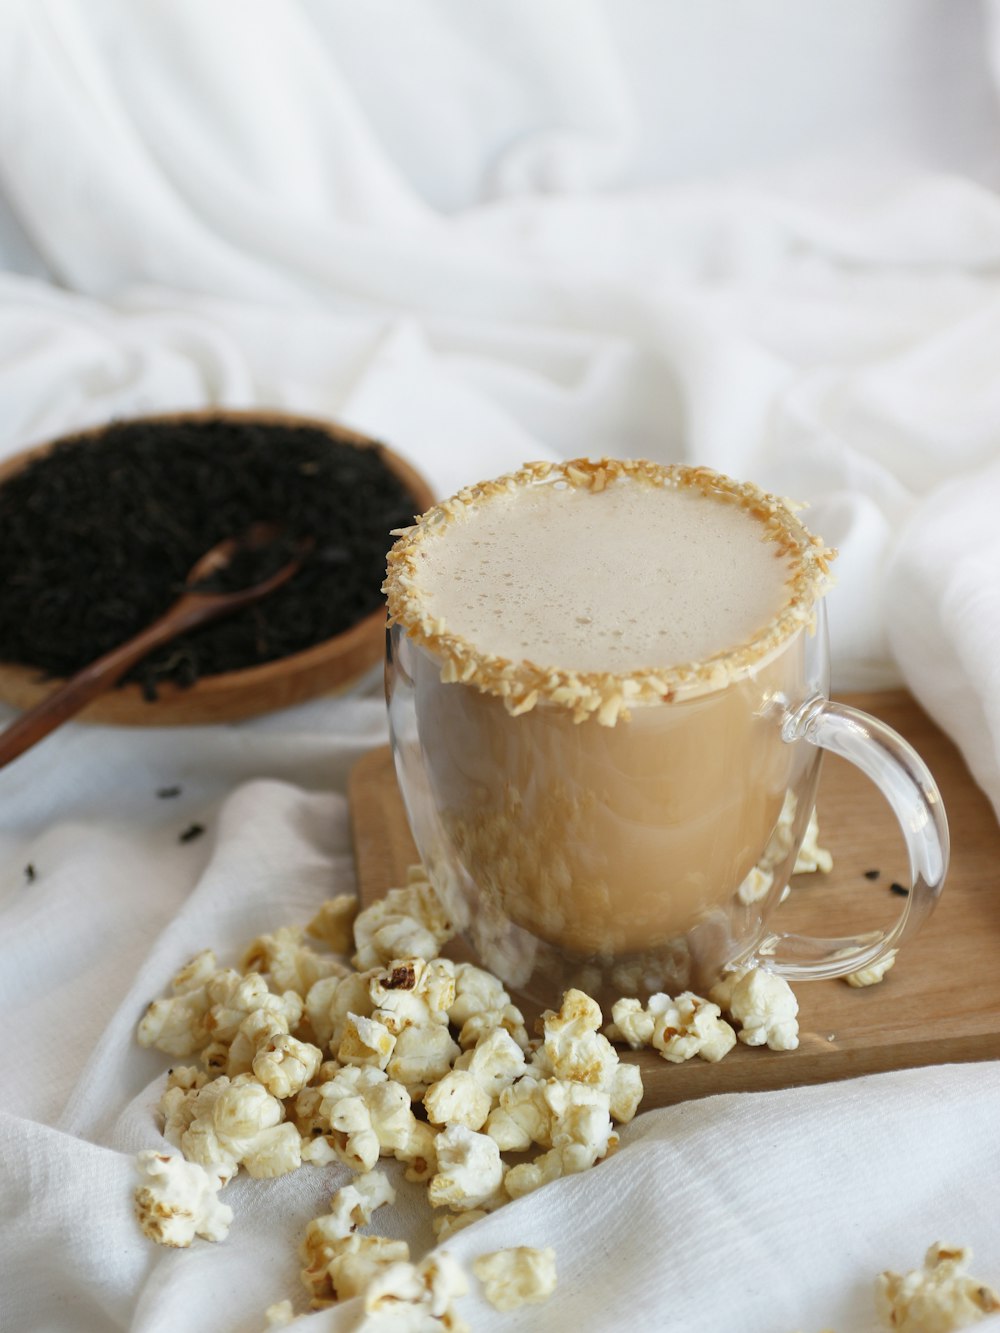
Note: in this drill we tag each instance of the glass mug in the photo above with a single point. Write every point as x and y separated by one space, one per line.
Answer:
650 854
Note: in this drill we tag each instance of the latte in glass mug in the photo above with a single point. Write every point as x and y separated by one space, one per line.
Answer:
592 664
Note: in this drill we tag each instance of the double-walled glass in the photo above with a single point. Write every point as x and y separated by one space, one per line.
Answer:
652 854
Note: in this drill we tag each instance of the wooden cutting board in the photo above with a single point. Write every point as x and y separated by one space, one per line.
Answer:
939 1003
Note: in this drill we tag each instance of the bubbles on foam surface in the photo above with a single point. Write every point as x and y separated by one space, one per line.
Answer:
616 580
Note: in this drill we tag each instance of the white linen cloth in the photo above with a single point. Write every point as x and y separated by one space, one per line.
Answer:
472 231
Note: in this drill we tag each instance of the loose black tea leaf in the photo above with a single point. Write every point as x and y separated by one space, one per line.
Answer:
191 832
168 793
872 874
901 889
98 536
30 874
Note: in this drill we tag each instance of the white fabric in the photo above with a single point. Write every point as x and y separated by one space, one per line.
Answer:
757 234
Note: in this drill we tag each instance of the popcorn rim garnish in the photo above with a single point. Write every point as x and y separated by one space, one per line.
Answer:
521 684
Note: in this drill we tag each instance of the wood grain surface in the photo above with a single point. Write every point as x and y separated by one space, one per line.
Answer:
329 667
939 1003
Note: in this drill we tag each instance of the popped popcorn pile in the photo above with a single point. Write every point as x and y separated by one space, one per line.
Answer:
404 1054
304 1059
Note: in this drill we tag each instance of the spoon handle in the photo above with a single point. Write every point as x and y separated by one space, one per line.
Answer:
98 676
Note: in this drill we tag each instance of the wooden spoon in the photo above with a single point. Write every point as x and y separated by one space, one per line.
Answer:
197 606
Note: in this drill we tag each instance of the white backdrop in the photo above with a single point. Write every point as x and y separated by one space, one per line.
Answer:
762 236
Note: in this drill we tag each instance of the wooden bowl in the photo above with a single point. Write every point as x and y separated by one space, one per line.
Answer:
326 668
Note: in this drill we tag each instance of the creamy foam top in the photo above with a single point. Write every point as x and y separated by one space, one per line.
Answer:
615 580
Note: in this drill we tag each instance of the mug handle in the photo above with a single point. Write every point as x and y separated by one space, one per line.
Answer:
905 781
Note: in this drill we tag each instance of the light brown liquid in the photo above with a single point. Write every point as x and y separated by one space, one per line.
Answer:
607 841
